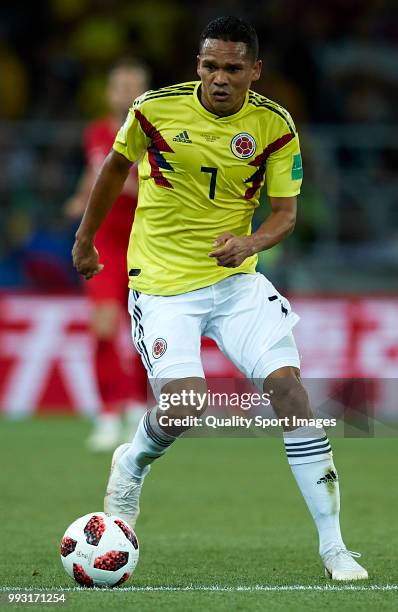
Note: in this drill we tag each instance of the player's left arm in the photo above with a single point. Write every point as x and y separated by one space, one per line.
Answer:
233 250
283 177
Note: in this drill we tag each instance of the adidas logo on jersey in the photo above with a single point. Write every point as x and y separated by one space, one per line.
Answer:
329 477
183 137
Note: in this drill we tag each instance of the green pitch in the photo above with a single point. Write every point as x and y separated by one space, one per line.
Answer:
216 514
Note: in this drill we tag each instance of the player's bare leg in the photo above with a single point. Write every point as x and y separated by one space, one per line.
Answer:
310 457
104 326
139 402
132 462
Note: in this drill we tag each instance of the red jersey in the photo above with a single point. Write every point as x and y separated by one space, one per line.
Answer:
99 137
112 238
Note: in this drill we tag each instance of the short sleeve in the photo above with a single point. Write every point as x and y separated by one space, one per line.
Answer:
130 140
284 170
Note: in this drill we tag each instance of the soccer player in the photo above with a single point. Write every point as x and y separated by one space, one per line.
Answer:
108 292
206 148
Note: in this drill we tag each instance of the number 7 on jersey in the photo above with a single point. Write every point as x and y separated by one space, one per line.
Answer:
213 179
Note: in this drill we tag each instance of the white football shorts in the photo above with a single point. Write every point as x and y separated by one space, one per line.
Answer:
244 314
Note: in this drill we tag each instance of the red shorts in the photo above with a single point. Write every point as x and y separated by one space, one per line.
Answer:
112 242
111 284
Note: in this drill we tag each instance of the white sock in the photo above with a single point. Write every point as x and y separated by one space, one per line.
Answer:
310 457
149 443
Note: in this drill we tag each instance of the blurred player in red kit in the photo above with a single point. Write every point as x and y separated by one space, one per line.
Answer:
108 292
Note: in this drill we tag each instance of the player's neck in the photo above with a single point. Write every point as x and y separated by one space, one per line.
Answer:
206 104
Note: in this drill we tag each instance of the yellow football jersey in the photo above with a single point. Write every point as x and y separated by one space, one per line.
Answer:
200 175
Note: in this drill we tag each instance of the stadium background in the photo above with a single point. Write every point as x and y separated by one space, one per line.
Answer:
333 65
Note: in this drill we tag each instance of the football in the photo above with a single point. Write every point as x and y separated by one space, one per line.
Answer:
99 550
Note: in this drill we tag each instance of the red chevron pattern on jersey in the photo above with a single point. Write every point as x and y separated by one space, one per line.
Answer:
155 157
260 161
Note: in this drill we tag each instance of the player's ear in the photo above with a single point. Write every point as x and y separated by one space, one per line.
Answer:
257 70
198 64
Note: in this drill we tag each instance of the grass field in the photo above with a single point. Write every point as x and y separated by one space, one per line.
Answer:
223 526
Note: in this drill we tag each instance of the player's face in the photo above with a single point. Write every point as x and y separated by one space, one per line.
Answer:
226 71
124 85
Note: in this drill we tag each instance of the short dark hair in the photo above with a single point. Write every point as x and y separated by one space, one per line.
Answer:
233 29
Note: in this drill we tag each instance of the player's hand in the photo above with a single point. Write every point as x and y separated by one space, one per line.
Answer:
232 251
86 259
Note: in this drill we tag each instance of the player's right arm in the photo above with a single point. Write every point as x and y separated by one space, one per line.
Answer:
107 188
93 144
75 205
130 143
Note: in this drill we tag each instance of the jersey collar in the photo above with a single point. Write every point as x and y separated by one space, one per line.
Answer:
210 115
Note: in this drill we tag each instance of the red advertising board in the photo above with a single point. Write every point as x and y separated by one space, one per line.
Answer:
46 354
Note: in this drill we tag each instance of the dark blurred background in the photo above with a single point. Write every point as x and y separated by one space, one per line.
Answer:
332 64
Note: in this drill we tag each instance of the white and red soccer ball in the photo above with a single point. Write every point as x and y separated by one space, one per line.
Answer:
99 550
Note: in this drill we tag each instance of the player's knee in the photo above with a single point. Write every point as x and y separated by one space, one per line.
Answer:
296 400
289 397
185 397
